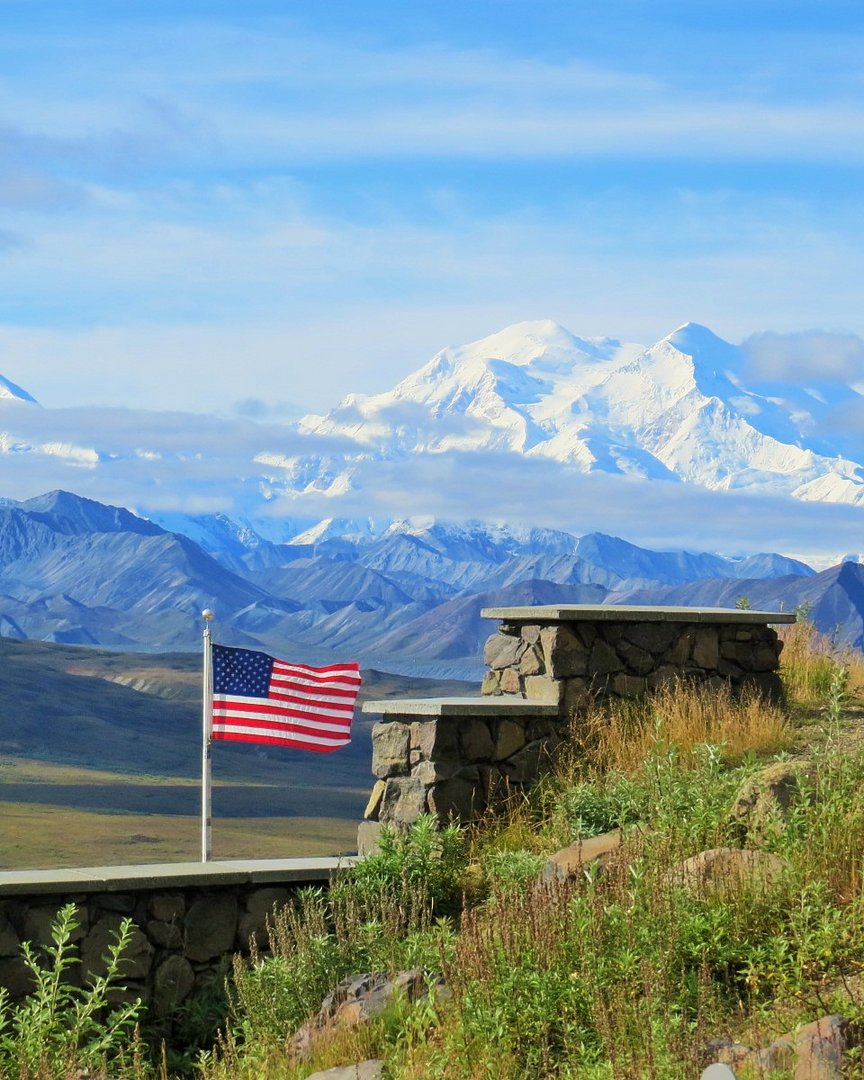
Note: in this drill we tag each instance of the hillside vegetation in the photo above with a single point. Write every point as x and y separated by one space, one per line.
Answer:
629 969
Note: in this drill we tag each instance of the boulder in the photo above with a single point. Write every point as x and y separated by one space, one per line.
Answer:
362 1070
763 802
572 860
137 956
812 1052
362 997
727 870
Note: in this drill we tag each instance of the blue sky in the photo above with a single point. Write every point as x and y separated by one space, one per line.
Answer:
206 202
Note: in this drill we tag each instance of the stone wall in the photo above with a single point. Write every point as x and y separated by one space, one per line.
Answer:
454 757
456 762
185 934
572 664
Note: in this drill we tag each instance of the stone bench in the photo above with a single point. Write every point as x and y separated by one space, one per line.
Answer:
453 756
574 654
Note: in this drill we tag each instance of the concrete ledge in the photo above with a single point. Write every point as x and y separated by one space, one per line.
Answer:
107 879
634 613
460 706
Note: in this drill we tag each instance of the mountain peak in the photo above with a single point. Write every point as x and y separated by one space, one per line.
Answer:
524 342
9 391
693 338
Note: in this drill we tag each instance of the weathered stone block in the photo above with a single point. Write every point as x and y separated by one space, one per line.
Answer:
509 738
457 798
730 671
436 740
122 902
172 984
577 696
39 920
706 648
373 806
476 739
532 661
663 676
544 689
15 976
390 746
167 907
137 957
679 652
491 685
164 935
261 905
430 772
603 659
570 862
368 833
502 650
530 634
525 767
655 638
587 631
510 681
763 658
9 940
564 652
211 924
628 686
404 800
638 660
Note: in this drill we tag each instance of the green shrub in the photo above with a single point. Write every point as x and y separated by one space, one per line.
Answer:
62 1027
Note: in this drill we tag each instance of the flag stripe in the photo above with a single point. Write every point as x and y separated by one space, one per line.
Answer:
255 736
263 717
290 678
288 729
328 694
279 708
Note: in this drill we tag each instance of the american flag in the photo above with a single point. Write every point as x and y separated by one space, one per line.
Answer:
257 698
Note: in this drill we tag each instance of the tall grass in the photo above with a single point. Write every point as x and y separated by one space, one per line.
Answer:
621 734
810 661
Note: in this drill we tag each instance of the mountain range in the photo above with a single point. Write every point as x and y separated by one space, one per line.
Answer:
406 598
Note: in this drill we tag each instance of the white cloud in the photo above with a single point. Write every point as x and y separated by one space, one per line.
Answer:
808 355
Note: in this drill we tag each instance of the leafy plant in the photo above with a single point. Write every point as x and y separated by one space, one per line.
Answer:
62 1026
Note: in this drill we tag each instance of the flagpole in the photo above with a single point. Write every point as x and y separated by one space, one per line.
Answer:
206 734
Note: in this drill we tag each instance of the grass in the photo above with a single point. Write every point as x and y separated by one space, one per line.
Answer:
35 836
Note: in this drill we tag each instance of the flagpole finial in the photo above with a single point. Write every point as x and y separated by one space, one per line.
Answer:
207 615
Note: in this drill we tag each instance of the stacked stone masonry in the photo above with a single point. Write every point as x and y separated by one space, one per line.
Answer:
440 757
573 664
184 935
457 766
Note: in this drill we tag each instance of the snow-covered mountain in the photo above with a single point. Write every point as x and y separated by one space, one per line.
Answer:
532 424
10 392
679 410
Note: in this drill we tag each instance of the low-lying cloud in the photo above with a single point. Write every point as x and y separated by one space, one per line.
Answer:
157 462
809 355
